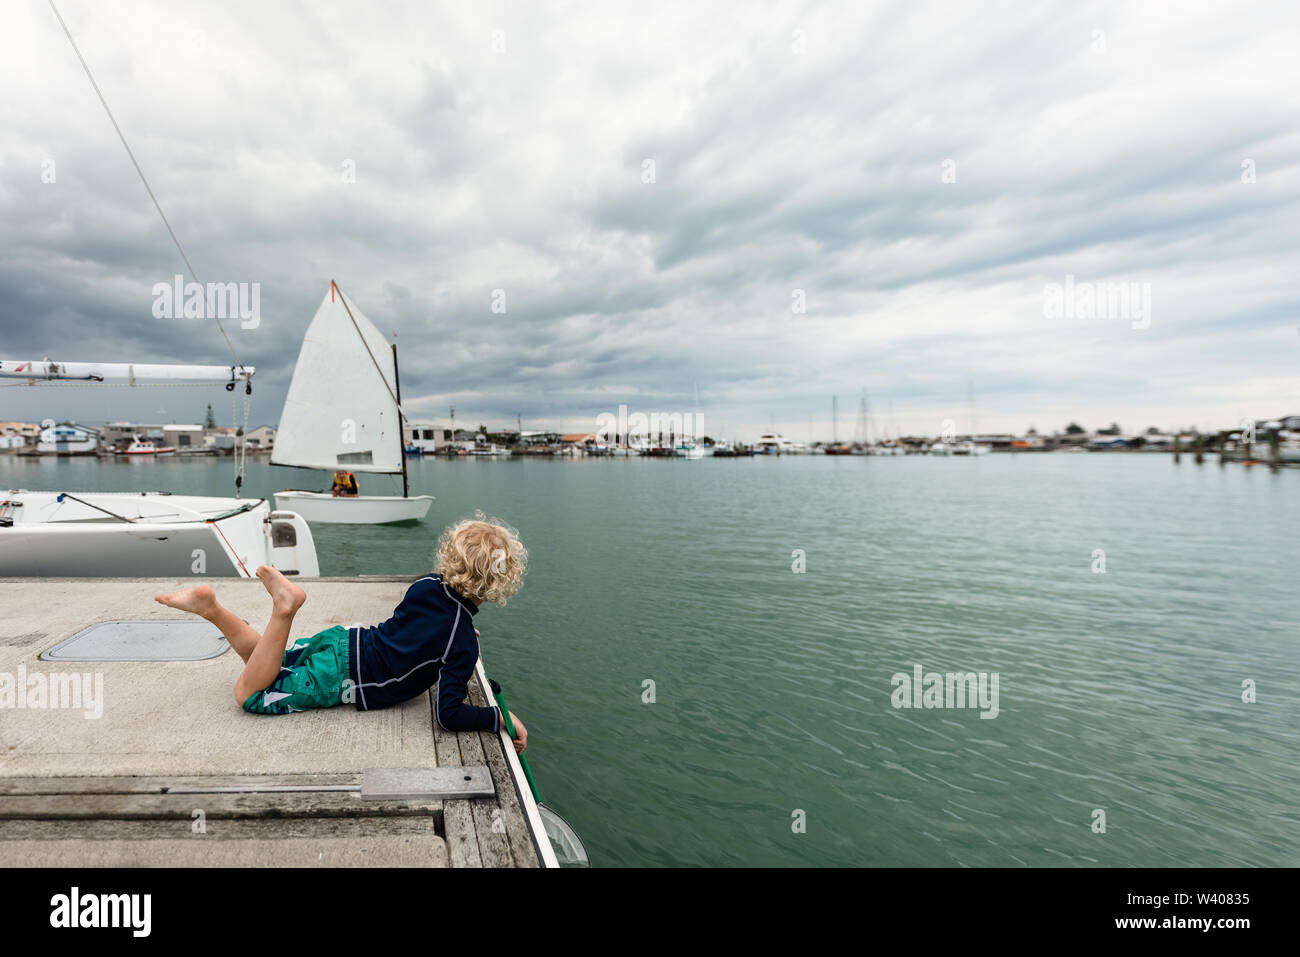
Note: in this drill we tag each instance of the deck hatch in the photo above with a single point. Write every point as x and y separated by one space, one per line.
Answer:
153 640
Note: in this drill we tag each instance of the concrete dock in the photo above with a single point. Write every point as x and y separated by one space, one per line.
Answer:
173 772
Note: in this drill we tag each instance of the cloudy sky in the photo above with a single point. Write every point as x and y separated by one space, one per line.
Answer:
767 204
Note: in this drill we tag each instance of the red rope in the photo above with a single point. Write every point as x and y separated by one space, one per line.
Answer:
231 547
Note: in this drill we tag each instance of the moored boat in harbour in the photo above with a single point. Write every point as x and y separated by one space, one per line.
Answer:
141 446
148 534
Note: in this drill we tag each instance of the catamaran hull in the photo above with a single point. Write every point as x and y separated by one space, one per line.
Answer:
327 509
58 536
110 551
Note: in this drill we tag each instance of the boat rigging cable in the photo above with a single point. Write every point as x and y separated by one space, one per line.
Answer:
62 495
240 450
375 362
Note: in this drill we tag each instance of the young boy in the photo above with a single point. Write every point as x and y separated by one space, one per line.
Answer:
429 640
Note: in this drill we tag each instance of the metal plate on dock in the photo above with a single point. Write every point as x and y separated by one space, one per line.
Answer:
154 640
429 784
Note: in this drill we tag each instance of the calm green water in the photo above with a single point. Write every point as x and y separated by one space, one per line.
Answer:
1120 691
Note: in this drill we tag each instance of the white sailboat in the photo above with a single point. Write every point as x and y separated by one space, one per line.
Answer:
343 412
143 534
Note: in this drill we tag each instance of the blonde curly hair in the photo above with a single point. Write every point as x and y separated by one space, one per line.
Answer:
482 558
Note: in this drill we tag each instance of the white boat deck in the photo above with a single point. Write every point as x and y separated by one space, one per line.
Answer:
122 789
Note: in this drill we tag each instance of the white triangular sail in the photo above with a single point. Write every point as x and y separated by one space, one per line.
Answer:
341 411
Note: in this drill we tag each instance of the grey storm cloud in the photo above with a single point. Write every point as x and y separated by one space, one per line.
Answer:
431 158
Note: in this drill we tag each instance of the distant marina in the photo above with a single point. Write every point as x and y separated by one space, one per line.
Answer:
1273 442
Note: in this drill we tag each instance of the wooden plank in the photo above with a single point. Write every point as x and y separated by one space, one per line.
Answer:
160 785
457 818
419 721
490 828
522 793
458 830
522 849
426 784
489 825
239 829
378 850
294 804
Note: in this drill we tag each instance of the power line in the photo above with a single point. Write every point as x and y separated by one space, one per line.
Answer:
148 189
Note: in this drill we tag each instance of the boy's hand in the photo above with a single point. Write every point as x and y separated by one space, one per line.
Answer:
521 734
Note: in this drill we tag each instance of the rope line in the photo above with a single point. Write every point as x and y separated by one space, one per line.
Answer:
383 378
241 450
214 524
147 187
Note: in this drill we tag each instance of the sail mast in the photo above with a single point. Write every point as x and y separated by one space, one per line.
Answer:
401 441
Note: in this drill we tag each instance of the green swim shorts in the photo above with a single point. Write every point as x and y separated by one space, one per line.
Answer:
313 674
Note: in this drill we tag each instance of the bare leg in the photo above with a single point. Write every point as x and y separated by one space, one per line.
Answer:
202 601
262 666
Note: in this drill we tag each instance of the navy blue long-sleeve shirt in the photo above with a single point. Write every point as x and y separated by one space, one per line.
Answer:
428 641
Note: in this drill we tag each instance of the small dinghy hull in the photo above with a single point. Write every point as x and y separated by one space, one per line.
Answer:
324 508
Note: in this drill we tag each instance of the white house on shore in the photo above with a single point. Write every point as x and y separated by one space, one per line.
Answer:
262 437
425 436
68 439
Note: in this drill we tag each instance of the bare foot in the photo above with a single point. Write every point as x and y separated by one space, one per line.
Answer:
199 600
287 596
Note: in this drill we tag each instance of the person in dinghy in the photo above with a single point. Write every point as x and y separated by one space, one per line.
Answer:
429 641
345 483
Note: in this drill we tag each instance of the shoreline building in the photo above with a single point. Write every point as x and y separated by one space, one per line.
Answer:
425 437
260 438
67 439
